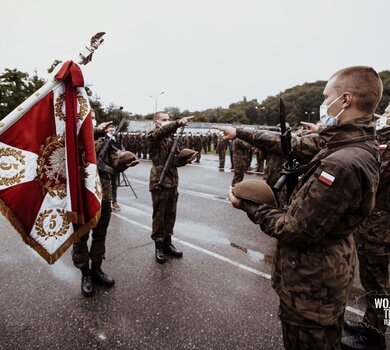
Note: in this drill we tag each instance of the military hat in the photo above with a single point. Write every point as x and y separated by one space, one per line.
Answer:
186 153
124 157
256 191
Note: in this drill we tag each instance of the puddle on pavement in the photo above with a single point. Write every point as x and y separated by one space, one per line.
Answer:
132 211
253 254
201 232
64 272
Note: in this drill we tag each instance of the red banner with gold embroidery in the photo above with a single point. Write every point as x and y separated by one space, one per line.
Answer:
49 186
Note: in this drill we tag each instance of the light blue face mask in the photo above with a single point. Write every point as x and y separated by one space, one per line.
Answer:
382 123
325 118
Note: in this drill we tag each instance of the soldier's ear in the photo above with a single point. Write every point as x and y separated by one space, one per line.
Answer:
347 99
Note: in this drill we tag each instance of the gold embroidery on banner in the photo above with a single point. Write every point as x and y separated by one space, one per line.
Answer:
98 189
53 217
83 106
51 166
11 165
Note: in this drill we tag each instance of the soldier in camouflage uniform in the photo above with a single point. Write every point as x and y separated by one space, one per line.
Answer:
372 240
221 150
315 257
259 160
241 156
164 197
80 254
205 143
144 145
197 145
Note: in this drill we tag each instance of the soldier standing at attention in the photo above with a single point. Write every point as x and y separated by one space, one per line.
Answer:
372 240
197 145
221 150
315 256
80 254
241 158
164 197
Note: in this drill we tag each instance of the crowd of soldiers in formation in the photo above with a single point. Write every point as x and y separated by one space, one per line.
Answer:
241 153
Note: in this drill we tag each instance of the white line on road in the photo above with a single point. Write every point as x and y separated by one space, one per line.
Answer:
190 192
222 258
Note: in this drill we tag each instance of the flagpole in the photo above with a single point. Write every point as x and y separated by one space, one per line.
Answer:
85 56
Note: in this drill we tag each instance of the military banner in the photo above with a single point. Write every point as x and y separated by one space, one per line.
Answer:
49 187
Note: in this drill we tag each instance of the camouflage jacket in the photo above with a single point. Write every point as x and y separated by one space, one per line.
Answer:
221 144
315 255
373 235
304 147
160 143
111 159
242 152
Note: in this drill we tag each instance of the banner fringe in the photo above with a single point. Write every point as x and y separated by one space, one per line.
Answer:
50 258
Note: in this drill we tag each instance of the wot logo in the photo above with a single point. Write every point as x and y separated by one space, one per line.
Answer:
383 302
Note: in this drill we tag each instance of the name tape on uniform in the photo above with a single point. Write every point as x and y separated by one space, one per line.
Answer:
326 178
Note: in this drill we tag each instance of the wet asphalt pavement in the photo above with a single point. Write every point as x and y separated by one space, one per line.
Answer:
218 296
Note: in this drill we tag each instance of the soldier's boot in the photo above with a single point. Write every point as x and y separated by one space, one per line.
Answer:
86 282
160 256
368 339
99 276
356 327
170 249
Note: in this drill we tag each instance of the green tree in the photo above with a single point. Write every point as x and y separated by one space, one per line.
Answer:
15 87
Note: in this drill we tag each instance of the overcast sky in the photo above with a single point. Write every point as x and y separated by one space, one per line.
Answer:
204 53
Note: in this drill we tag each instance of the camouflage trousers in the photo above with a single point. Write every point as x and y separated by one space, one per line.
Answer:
374 277
222 155
260 163
164 213
80 254
239 170
307 335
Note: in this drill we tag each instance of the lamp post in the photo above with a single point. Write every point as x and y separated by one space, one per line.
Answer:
308 114
156 98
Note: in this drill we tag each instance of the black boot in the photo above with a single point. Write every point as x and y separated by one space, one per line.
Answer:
356 327
99 276
368 338
170 249
86 282
160 257
361 342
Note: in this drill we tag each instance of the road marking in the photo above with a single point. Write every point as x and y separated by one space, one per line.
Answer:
221 257
190 192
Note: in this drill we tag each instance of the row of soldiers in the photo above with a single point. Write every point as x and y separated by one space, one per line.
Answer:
137 142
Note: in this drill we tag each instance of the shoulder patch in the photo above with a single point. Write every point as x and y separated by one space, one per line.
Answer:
326 178
383 147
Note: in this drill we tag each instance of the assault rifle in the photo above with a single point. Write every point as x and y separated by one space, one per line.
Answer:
169 162
108 144
290 169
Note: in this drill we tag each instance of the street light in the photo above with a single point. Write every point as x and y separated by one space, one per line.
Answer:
155 98
308 114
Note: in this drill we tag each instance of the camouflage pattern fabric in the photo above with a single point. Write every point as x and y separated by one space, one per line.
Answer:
165 198
374 276
80 254
164 213
160 144
241 159
221 150
315 254
372 239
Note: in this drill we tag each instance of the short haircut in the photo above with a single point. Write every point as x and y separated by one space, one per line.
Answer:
362 82
157 115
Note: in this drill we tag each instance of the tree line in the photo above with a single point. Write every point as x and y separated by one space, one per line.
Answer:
302 102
